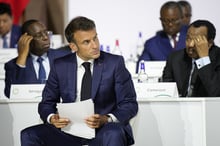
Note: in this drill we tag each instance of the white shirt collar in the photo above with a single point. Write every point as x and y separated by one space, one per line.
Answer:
44 56
80 61
177 36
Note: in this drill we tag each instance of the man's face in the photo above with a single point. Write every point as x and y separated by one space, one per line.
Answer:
41 42
86 44
193 38
171 20
6 23
186 15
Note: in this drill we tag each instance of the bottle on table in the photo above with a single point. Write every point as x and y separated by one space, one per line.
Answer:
142 75
140 45
117 49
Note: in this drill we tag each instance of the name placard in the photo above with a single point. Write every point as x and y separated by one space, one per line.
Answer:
26 91
150 90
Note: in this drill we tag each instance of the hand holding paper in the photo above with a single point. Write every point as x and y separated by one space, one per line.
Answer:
77 113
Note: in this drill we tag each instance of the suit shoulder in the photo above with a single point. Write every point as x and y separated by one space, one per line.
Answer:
10 64
184 28
16 29
65 58
56 53
179 54
109 56
159 35
13 60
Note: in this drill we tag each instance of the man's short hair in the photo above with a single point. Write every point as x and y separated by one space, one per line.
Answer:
5 9
210 28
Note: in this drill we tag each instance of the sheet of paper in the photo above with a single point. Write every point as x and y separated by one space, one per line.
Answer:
77 112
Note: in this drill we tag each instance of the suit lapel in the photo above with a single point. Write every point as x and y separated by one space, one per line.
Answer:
71 69
97 75
182 37
32 74
165 44
186 69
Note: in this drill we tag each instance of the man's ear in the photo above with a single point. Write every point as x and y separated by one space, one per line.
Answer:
210 43
73 47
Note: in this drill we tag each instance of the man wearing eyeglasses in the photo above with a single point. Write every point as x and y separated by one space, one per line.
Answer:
32 65
170 39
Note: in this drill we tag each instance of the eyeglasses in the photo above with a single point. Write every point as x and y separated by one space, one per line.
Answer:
41 35
168 21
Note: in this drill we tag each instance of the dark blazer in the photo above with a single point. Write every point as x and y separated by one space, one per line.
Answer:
15 35
158 47
112 88
178 68
18 75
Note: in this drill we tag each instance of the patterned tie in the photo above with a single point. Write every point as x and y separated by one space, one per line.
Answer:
5 43
42 72
86 82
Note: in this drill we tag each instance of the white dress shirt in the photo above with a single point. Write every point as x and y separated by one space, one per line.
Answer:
80 73
171 39
45 62
8 36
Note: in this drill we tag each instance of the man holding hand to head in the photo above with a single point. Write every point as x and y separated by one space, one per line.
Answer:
196 69
32 65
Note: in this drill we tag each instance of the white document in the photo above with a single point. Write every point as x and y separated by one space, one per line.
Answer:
26 91
77 112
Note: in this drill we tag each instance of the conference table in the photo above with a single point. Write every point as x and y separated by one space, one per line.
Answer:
160 121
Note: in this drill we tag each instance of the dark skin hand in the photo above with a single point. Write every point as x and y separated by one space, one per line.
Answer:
197 45
23 48
201 45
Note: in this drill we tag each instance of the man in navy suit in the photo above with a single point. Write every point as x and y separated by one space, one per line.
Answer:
11 33
33 43
196 69
162 44
112 92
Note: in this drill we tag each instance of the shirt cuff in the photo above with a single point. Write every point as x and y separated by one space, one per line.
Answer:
114 119
202 62
48 118
21 66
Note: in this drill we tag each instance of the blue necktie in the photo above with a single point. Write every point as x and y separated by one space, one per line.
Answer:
5 43
42 72
86 82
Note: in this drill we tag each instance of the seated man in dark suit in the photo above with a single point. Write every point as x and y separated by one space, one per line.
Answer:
9 33
34 43
111 89
196 69
170 39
